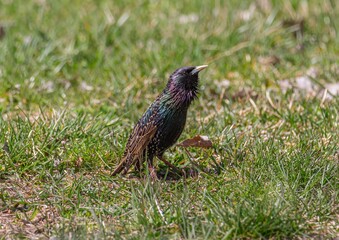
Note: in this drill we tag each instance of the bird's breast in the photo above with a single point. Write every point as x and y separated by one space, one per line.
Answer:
171 126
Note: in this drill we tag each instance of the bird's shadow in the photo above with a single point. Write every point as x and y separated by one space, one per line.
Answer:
167 174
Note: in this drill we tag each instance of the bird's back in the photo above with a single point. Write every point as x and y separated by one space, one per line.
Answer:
157 130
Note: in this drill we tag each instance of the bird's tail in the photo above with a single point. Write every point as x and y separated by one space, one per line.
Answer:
124 165
134 150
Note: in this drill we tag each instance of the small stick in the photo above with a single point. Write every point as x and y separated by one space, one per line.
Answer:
170 164
190 157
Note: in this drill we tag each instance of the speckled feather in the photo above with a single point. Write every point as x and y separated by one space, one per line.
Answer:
163 122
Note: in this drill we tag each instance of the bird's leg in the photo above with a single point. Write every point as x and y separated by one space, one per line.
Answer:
137 166
151 169
152 173
132 161
178 170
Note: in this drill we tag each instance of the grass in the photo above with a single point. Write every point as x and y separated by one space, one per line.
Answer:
76 75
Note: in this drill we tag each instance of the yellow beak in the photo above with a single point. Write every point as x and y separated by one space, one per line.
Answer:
198 69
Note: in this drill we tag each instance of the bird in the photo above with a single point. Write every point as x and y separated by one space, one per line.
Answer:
162 123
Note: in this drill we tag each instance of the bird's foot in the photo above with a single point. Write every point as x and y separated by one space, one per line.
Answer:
153 173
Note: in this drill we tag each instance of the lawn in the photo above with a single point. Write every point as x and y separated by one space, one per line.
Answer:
75 76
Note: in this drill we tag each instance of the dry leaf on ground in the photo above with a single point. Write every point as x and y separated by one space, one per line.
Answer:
197 141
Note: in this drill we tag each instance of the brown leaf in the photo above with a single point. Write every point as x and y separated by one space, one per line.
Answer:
197 141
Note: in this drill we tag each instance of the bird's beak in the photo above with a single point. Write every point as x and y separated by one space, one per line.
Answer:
198 69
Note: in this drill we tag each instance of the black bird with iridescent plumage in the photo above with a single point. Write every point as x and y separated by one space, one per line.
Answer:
162 123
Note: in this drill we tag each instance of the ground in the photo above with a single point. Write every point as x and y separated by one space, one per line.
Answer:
76 76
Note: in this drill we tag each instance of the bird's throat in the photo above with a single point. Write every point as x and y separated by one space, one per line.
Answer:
180 98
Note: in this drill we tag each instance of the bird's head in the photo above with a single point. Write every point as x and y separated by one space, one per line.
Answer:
183 82
186 77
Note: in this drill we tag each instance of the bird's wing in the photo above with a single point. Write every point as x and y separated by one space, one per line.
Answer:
137 143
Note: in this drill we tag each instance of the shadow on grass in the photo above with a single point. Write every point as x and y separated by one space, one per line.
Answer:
167 174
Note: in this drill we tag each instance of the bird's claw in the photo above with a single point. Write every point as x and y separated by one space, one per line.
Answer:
152 173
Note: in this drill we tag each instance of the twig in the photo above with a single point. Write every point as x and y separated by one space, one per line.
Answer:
190 157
